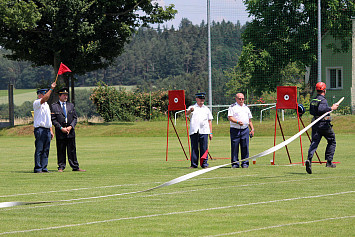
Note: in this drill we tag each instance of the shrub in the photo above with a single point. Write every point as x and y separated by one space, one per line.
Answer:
124 105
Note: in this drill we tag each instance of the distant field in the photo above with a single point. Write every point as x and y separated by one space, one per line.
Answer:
22 95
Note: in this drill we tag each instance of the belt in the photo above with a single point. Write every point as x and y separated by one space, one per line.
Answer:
240 128
326 118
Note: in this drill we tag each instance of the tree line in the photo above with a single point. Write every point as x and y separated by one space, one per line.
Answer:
160 58
106 42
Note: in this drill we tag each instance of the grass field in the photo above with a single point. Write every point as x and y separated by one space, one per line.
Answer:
123 158
23 95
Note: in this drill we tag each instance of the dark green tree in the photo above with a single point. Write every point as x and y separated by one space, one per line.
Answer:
86 35
285 31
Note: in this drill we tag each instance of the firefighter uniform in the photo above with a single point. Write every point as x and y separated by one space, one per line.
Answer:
323 128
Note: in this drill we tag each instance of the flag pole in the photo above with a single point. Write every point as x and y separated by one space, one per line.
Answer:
57 73
56 78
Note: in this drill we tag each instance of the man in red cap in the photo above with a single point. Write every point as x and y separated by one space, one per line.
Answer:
323 128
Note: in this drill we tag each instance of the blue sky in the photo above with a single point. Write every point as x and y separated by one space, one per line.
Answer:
196 11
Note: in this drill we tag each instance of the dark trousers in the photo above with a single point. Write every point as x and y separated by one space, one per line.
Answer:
42 144
198 141
67 146
239 137
318 132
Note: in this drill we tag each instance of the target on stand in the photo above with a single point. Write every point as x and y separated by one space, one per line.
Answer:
176 100
286 97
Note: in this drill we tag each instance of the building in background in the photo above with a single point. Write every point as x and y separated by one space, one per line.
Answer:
338 71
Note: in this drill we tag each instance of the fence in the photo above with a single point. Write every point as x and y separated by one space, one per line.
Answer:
7 108
259 111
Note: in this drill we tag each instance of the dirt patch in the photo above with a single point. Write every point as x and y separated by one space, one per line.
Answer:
23 130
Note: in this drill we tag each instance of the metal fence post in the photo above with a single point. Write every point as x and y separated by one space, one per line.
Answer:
11 105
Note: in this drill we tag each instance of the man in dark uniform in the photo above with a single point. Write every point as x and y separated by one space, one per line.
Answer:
64 119
323 128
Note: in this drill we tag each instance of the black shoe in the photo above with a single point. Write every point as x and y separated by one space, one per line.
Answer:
308 166
330 165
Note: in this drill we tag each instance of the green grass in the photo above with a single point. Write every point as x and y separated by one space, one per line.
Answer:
342 125
23 95
264 200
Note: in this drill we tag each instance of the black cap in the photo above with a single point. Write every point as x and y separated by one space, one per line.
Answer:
201 95
42 91
63 91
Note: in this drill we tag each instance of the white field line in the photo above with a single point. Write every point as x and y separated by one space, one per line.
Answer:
128 193
158 194
111 186
174 213
279 226
72 201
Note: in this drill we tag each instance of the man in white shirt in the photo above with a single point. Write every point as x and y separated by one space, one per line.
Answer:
200 130
42 129
240 117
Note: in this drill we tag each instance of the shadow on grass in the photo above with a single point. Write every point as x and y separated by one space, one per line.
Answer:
108 124
31 172
299 173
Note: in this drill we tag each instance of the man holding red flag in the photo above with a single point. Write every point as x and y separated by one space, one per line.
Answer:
42 128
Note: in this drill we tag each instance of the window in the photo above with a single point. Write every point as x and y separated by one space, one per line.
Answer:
335 78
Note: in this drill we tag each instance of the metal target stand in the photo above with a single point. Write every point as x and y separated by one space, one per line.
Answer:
287 99
177 102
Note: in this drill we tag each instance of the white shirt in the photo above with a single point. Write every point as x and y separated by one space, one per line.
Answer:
42 114
199 119
65 105
241 113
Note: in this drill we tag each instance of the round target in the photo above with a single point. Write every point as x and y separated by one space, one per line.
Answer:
176 100
286 97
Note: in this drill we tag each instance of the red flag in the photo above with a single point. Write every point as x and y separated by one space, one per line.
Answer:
203 157
63 69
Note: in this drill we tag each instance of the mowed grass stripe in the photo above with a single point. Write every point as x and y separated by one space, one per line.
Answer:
176 213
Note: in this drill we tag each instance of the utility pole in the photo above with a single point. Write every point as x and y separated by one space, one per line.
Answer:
319 78
209 55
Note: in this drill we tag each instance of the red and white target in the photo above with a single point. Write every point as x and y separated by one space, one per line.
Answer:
286 97
176 100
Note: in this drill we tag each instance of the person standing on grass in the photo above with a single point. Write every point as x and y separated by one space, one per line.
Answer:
200 130
240 117
64 119
323 128
42 129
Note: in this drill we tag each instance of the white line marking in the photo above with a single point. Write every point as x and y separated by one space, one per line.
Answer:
175 213
111 186
74 189
159 194
279 226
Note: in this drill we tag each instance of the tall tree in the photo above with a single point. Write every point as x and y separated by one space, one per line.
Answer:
285 31
85 34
